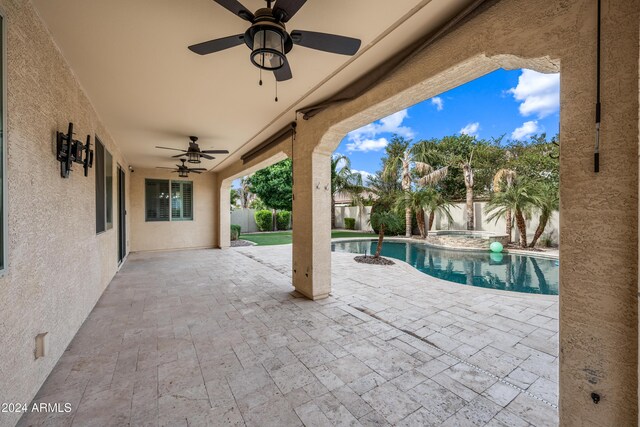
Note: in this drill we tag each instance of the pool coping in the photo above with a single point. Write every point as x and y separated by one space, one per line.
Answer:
443 282
454 248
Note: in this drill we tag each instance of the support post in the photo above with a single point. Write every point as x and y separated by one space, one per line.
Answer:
311 219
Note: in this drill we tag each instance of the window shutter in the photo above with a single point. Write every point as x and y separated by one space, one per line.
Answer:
157 200
176 200
100 187
187 200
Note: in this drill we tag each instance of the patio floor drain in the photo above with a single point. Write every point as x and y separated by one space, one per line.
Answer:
471 365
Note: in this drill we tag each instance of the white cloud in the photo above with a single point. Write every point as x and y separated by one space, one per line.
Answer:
438 102
366 138
365 145
538 93
471 129
526 130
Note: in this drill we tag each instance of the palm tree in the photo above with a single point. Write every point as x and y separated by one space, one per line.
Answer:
438 204
520 199
343 180
415 201
244 193
426 174
548 202
509 176
385 219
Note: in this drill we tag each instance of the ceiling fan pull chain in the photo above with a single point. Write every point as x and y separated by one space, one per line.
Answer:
276 90
260 82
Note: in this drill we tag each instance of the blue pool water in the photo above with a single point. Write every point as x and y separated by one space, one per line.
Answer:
505 271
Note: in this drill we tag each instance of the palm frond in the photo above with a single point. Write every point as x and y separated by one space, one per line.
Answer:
434 177
423 168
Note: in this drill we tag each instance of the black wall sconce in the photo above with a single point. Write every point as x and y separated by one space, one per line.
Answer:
70 150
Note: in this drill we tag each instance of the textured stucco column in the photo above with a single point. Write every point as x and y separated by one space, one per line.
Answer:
598 217
311 216
224 214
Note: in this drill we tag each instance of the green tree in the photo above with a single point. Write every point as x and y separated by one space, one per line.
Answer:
412 164
472 164
386 191
521 198
385 219
244 193
437 203
345 181
233 197
536 159
548 201
508 176
274 185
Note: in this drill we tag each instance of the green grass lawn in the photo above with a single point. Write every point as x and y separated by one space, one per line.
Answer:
284 237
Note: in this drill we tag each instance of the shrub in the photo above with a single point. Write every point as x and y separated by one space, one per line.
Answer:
546 240
235 231
282 220
264 220
350 223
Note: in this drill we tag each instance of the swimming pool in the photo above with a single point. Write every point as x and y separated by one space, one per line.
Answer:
504 271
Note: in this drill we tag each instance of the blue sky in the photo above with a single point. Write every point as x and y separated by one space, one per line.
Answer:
515 103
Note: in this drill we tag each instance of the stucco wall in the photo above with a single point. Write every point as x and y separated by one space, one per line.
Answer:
57 266
152 236
459 222
598 290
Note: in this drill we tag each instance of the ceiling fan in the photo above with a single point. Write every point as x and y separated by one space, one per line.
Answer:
194 152
184 170
269 40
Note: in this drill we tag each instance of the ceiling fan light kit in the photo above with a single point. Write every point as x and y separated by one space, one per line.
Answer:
193 154
269 40
183 170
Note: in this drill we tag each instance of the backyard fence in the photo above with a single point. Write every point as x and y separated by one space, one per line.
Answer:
245 219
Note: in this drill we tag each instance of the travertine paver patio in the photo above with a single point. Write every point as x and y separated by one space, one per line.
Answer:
213 337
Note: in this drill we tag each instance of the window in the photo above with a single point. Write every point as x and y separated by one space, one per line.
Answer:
108 187
103 164
168 200
3 156
156 200
181 201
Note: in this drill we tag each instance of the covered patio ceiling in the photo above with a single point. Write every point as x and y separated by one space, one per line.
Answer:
149 89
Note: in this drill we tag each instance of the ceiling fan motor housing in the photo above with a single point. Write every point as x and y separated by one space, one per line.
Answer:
268 40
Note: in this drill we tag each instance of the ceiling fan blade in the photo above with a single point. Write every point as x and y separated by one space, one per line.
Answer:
217 45
206 156
283 73
193 171
326 42
179 155
235 7
175 149
285 9
215 151
198 169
